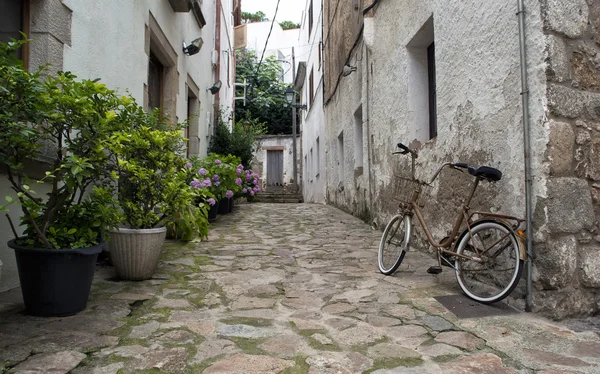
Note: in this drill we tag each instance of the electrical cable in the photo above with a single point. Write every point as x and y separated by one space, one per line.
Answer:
268 36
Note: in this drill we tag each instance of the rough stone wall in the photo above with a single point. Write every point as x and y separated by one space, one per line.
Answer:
568 237
479 117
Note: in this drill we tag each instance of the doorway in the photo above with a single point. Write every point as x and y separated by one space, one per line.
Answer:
274 168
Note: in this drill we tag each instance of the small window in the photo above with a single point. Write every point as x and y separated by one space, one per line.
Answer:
311 86
310 18
432 91
155 82
341 157
14 18
318 159
358 140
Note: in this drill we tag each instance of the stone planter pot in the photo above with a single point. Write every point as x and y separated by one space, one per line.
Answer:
231 204
55 282
135 252
212 212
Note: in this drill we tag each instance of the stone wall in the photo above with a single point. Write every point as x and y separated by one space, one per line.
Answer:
568 238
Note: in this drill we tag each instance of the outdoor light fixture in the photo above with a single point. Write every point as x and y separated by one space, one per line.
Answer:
290 95
347 70
215 87
193 48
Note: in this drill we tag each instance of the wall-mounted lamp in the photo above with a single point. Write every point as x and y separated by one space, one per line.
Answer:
347 70
290 96
194 47
215 87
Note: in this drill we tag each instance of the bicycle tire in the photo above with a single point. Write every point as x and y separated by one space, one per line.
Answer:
388 263
489 285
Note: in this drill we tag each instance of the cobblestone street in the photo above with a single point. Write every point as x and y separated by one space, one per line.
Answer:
285 289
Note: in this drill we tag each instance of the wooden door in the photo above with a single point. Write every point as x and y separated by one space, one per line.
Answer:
275 168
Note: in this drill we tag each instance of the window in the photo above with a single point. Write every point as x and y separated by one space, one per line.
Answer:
358 141
421 84
156 73
320 53
311 87
192 130
432 91
310 162
310 18
341 157
318 159
14 18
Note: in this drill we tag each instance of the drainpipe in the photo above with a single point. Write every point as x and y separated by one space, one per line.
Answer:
527 153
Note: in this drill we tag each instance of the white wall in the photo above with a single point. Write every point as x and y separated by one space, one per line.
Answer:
313 120
108 40
478 106
259 163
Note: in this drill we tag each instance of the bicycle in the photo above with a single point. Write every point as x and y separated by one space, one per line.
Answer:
488 255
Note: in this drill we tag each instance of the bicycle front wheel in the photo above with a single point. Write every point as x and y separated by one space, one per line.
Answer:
495 267
394 244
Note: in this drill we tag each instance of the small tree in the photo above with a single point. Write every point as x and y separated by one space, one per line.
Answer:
287 25
254 17
266 94
240 142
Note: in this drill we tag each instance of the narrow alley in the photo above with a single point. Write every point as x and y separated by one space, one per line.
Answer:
285 289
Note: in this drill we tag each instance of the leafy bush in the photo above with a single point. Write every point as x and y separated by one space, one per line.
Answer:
240 142
73 118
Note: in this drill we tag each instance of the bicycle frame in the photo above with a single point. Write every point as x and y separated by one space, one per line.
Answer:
463 216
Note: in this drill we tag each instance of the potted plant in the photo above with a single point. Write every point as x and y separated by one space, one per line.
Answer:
192 221
149 190
250 185
63 122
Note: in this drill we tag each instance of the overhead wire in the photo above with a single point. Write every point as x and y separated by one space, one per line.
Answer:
267 41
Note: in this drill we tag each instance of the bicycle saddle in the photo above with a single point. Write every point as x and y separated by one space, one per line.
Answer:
485 172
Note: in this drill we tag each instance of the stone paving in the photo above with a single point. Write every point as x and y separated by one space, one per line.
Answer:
284 289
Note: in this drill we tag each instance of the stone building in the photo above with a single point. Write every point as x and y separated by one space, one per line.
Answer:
135 47
444 78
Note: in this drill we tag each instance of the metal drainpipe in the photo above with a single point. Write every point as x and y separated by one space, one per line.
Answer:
527 153
368 110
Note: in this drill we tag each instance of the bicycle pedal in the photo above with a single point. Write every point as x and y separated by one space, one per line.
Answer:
434 270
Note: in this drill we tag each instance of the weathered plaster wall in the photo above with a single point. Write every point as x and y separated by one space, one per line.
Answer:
276 142
109 42
568 240
479 113
313 120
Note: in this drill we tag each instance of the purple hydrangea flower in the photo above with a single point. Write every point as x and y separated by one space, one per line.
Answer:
244 190
216 177
206 183
238 171
255 181
229 194
251 193
211 201
248 178
238 181
257 188
217 184
188 165
195 184
218 162
240 166
202 171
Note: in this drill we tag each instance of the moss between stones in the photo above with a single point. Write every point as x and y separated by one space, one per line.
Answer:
248 346
202 260
445 358
257 322
300 366
312 341
392 362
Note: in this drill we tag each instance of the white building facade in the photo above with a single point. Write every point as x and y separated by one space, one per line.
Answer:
134 47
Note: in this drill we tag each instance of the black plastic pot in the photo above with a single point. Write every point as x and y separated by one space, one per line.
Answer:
213 211
55 282
223 206
230 204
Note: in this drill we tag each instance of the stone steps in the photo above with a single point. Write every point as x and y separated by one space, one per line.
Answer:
279 197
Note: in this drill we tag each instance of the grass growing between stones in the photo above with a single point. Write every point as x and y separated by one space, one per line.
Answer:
314 343
393 362
256 322
300 366
247 345
445 358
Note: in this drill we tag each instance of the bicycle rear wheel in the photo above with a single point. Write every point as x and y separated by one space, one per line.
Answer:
497 267
394 244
